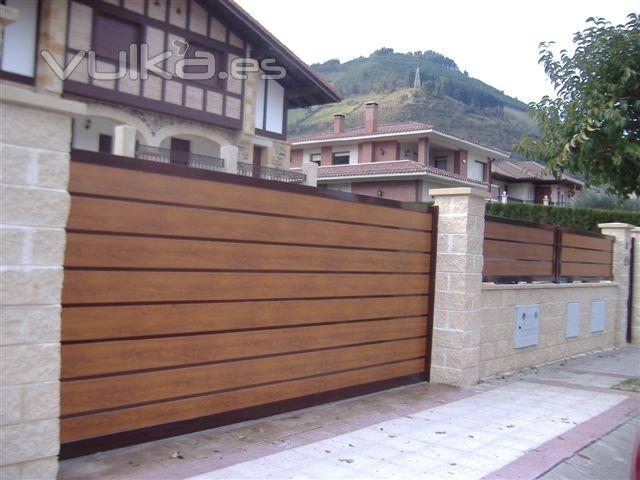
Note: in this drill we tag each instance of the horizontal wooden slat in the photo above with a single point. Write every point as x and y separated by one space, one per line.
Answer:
107 180
517 251
94 286
95 214
109 392
83 427
586 241
584 270
516 268
122 321
585 256
88 359
91 250
517 233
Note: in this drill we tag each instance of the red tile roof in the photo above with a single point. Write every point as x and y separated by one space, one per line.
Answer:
384 129
529 170
394 167
390 128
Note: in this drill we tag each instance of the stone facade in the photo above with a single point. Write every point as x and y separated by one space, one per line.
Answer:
35 169
497 352
456 330
474 322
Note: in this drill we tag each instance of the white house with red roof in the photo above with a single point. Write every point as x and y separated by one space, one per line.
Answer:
530 182
401 161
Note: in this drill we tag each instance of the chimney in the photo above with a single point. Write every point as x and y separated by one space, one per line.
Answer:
370 117
338 123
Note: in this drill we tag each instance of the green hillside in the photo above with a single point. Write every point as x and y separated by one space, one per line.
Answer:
448 98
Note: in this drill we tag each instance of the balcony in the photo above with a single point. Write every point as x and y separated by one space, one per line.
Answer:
206 162
164 155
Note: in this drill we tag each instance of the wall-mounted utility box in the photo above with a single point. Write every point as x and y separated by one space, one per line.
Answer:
598 316
572 323
527 326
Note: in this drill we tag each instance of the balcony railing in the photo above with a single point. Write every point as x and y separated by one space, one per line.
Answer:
268 173
193 160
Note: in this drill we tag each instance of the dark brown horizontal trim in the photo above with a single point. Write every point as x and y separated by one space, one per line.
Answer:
273 135
516 259
521 242
238 300
121 98
587 249
16 77
132 437
237 330
581 262
97 158
238 270
243 387
235 359
244 242
234 210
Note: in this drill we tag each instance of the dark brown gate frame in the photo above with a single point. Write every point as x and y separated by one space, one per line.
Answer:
632 252
556 277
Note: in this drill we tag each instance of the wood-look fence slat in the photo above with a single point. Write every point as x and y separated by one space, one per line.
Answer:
86 359
122 390
97 215
515 251
113 178
123 251
191 298
118 421
127 321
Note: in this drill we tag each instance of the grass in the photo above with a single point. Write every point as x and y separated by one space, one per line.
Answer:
629 385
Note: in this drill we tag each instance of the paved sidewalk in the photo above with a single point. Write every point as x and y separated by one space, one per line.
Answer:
608 458
520 426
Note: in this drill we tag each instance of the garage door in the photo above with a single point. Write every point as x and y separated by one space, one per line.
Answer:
193 299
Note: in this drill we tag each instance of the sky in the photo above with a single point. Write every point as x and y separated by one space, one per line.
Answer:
496 41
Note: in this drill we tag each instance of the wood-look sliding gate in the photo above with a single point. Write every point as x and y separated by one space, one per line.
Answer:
193 299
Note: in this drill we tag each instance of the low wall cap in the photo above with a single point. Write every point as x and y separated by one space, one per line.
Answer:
615 225
460 191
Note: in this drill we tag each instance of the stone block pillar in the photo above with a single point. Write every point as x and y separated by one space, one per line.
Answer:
310 169
34 147
635 317
229 153
621 263
458 299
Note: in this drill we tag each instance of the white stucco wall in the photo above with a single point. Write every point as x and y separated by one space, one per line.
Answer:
521 191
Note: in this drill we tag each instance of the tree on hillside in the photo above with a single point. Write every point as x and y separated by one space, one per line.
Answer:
593 126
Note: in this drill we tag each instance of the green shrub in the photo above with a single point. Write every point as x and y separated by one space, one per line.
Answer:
591 199
586 219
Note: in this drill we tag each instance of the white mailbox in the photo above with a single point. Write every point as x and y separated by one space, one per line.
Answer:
527 326
572 326
597 316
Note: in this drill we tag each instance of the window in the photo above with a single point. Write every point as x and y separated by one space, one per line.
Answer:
113 35
19 42
441 162
105 143
340 158
315 158
270 107
213 82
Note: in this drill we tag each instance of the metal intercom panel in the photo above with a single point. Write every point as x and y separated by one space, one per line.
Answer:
572 325
597 316
527 326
